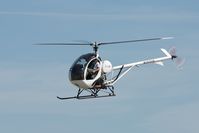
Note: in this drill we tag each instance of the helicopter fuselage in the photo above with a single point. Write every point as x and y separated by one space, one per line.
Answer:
86 70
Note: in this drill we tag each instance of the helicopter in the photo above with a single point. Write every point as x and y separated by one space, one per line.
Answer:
95 78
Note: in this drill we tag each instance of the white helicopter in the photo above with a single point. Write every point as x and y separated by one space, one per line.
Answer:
96 77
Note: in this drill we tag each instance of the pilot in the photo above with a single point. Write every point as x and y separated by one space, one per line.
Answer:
96 67
93 69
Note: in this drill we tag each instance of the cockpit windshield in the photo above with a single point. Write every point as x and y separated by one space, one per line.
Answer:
77 69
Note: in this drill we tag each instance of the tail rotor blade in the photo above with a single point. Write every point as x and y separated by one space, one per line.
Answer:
172 51
180 62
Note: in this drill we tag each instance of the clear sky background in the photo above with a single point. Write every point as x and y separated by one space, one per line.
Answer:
150 99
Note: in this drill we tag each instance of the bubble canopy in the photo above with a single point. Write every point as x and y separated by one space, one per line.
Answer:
78 68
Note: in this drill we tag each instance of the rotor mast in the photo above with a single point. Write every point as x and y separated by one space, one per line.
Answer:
95 47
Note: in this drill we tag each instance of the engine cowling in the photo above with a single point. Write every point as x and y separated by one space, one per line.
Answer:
106 66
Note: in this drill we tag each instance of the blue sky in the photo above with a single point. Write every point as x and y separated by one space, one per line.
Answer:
149 99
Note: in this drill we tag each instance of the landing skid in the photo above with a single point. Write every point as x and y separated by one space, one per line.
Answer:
94 93
84 97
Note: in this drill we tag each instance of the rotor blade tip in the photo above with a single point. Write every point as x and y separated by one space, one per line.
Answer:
168 38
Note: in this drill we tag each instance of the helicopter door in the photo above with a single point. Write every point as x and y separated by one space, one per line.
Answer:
93 69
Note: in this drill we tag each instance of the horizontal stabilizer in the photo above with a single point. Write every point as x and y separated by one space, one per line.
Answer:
160 63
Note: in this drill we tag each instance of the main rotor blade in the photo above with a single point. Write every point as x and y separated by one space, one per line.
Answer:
140 40
69 44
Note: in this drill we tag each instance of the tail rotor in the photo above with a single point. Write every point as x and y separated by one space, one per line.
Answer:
179 61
